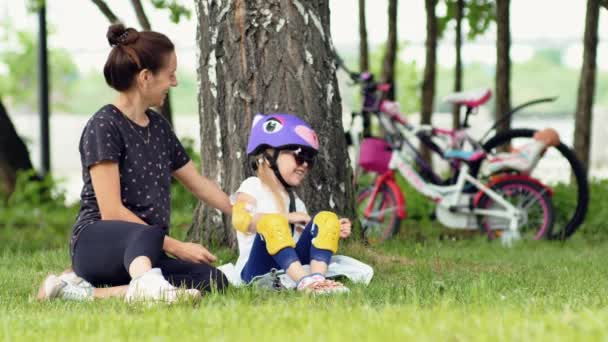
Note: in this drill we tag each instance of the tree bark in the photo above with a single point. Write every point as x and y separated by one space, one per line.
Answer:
264 57
503 64
586 85
363 48
142 18
106 11
388 70
428 82
364 63
14 155
458 66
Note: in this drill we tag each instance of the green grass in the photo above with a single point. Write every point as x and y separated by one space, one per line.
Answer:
430 284
450 289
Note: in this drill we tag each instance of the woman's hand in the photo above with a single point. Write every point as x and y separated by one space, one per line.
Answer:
193 252
298 218
345 228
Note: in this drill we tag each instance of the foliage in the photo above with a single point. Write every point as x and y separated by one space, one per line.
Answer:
19 58
407 78
479 14
176 9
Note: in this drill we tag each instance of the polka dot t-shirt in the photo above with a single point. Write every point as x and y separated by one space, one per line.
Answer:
146 158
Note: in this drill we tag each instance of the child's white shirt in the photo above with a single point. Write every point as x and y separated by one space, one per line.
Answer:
265 204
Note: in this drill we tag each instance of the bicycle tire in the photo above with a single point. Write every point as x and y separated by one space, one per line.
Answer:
370 236
578 170
510 188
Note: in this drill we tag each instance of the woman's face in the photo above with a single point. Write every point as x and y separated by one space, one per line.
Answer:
292 168
157 85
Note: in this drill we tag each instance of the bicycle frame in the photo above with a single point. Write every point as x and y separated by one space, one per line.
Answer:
447 196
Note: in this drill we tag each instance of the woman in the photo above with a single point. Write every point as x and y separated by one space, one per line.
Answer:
129 154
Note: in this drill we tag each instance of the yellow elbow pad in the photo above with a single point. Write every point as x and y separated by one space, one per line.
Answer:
274 228
328 231
241 217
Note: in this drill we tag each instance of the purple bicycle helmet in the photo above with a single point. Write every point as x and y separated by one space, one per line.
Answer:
280 131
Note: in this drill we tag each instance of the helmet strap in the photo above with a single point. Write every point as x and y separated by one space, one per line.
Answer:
272 159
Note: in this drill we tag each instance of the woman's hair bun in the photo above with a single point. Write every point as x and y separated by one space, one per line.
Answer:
119 35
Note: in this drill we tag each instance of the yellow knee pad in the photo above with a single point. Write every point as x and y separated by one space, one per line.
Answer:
241 217
328 231
274 228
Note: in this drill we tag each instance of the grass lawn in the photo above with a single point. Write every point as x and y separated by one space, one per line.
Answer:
428 290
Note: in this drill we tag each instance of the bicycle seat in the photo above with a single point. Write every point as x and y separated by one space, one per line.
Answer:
472 98
467 156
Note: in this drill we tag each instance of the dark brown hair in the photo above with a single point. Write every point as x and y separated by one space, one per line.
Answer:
133 51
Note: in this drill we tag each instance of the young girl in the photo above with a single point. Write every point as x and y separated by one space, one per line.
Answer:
273 227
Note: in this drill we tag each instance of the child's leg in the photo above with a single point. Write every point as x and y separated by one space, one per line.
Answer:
319 241
273 248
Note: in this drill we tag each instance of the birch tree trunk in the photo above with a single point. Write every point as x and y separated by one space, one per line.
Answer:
264 57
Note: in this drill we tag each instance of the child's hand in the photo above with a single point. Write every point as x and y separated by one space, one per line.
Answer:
298 218
345 226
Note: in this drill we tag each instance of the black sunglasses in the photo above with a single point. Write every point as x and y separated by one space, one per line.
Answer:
302 156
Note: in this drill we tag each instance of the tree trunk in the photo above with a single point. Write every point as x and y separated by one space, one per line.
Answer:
264 57
106 11
364 63
503 64
458 66
14 155
388 71
363 48
428 82
586 85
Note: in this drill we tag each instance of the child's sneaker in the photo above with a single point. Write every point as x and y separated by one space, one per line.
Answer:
316 284
153 287
56 287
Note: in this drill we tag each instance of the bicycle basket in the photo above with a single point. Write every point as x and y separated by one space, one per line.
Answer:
374 155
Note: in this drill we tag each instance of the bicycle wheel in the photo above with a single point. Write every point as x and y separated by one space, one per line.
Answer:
572 213
383 221
535 202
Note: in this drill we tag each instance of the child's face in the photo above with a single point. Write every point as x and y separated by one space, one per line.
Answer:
293 168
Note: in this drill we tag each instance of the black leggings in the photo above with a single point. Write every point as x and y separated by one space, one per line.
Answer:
105 249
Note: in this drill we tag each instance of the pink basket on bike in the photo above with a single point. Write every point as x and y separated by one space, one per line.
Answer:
374 155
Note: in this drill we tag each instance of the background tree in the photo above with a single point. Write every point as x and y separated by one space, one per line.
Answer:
478 14
388 69
364 61
586 85
503 65
177 11
428 82
264 57
363 47
14 156
18 89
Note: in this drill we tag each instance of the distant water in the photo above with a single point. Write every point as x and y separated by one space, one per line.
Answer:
66 129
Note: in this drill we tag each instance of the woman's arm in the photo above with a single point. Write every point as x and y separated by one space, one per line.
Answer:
106 184
203 188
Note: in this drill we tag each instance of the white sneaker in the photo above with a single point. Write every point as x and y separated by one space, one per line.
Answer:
74 279
56 287
153 287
